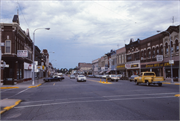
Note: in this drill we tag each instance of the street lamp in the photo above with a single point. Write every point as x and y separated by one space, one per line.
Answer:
34 52
170 54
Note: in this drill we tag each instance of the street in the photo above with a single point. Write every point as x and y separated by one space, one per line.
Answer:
91 100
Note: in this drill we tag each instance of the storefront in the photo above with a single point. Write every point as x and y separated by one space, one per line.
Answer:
133 68
156 67
163 69
27 71
121 70
175 71
15 71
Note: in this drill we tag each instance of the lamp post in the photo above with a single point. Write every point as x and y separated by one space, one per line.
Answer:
170 54
34 52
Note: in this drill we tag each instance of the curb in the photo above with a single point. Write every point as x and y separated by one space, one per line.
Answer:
8 87
9 107
171 83
35 86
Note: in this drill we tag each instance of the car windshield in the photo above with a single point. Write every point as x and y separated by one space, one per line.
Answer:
148 74
114 76
81 76
134 75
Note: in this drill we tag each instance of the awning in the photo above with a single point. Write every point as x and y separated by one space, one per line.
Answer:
101 72
108 71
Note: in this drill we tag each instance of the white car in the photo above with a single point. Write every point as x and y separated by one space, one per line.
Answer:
104 76
114 78
81 78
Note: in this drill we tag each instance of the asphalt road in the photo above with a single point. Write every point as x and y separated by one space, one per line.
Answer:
91 100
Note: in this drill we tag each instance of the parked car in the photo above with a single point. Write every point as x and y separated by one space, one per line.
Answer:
132 77
72 77
104 76
113 78
91 76
53 78
81 78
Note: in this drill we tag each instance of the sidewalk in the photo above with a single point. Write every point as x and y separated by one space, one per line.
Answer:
25 84
7 104
169 82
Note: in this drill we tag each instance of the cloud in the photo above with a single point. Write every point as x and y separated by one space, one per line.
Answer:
99 25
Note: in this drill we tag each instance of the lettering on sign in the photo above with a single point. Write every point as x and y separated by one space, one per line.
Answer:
121 66
134 65
158 65
22 53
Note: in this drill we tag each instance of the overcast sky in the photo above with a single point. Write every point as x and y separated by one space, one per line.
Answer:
82 31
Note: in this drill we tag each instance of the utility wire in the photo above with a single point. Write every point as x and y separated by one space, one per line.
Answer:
22 14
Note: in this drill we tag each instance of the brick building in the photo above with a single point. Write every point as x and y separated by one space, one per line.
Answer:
14 39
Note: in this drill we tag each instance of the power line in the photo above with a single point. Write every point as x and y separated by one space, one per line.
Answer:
22 14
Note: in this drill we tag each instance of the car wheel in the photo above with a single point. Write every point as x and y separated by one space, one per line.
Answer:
160 84
147 83
130 80
116 80
85 81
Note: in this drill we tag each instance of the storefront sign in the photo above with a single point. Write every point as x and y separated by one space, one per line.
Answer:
39 67
171 61
159 57
27 66
156 65
134 65
121 66
22 53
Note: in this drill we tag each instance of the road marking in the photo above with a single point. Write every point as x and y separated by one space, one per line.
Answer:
53 84
89 101
19 92
177 95
141 94
102 82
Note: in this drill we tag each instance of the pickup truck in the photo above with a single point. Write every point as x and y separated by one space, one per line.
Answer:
148 78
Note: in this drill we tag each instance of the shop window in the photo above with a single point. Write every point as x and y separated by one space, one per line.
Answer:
122 58
8 46
172 47
144 53
177 46
166 48
157 50
137 56
149 53
161 50
154 52
129 57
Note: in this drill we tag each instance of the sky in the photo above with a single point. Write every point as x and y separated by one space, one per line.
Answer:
83 31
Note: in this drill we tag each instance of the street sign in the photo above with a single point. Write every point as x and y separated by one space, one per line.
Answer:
159 57
39 67
171 62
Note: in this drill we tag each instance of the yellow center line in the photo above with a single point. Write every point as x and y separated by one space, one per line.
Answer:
53 84
102 82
